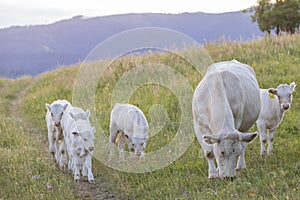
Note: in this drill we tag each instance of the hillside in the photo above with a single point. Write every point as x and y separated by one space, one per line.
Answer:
35 49
24 137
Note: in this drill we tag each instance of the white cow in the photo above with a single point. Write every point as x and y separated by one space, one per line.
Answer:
57 145
274 102
226 104
80 142
133 126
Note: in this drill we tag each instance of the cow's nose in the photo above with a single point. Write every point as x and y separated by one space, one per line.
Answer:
138 153
56 123
91 148
285 106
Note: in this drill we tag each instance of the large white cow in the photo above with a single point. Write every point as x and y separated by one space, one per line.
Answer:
226 104
80 142
274 102
57 145
131 123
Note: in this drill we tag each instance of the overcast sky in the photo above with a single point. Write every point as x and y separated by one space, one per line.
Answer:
29 12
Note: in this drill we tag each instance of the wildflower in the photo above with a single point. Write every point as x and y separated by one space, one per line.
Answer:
35 177
48 186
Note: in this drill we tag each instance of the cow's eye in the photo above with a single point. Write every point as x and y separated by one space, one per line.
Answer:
222 153
85 139
233 150
133 145
142 144
51 114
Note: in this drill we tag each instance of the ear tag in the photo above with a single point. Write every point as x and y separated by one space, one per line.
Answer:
271 95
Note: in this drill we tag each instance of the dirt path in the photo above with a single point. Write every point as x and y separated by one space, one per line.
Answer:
100 189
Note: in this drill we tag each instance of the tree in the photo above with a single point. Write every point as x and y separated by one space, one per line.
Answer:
281 16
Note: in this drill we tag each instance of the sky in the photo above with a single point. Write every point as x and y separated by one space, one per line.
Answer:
31 12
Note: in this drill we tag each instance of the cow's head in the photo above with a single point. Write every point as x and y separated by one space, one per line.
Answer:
137 144
77 146
284 94
56 111
84 130
227 147
84 141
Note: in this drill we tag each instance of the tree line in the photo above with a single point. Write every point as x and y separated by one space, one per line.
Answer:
278 16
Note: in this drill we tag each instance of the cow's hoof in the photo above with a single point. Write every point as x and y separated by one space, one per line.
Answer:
213 176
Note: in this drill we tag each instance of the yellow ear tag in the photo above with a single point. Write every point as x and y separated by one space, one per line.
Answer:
271 95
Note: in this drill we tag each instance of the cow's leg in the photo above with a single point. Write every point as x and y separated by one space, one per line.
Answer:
112 139
121 147
212 170
70 162
56 146
51 140
261 126
77 166
207 149
88 168
241 164
63 154
270 140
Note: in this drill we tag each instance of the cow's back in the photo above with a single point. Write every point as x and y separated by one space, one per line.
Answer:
228 93
126 116
270 110
242 92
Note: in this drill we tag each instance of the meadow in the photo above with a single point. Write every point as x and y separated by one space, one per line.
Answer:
26 170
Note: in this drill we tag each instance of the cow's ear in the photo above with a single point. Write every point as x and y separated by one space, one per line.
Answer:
211 139
292 86
87 113
127 137
272 91
248 137
65 106
48 106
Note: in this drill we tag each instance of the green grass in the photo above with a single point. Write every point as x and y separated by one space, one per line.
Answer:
276 60
25 170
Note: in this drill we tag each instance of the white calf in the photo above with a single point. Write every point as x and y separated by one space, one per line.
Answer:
274 102
226 103
133 126
80 137
57 145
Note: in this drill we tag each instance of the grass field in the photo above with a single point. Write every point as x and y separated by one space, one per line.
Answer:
28 172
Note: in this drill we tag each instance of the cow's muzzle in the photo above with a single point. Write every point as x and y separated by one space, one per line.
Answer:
285 106
138 153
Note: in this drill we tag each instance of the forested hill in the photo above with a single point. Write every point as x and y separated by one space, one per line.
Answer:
32 50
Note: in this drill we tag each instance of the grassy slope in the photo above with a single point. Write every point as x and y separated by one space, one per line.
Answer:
275 60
